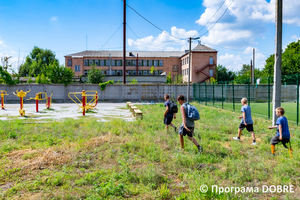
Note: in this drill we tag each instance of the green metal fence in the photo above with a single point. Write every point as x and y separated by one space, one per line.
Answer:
227 95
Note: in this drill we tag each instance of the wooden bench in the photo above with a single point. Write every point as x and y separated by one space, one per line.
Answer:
132 108
138 113
128 104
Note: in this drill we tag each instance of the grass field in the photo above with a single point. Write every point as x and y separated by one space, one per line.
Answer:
261 109
86 159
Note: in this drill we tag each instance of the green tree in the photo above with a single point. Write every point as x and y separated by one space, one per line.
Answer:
224 74
95 76
6 78
243 76
290 61
169 79
37 62
60 74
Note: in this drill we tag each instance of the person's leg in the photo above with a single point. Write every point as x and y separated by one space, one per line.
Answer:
275 140
193 140
167 127
181 141
239 133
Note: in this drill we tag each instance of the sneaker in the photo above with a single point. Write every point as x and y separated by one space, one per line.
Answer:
236 138
253 143
200 149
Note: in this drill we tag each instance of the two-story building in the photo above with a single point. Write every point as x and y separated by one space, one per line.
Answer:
139 63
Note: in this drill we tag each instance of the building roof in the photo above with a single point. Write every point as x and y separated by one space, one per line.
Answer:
133 54
203 48
159 54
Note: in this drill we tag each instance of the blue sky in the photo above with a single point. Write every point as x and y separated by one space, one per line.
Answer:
63 26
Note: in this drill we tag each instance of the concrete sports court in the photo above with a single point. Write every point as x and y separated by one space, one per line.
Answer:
103 111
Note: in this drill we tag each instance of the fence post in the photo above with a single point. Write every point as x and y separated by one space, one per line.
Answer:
194 87
199 93
213 93
233 96
268 97
222 95
249 92
205 93
297 99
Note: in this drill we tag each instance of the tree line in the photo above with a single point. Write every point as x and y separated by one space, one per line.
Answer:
290 66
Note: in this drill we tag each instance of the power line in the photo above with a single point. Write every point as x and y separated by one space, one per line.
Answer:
218 19
111 36
211 17
152 23
139 38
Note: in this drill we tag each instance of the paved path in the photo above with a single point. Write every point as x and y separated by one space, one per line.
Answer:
103 111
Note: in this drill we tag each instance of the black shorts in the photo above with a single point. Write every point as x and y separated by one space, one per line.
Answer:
275 140
249 127
168 120
188 133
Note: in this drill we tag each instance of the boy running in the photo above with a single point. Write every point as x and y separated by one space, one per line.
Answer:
168 115
246 121
187 127
283 133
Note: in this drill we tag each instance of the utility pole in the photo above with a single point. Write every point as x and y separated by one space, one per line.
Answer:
277 65
124 42
251 82
253 67
86 42
189 71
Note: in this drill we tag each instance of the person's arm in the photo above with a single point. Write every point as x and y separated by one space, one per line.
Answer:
244 118
272 127
174 115
280 131
184 118
167 110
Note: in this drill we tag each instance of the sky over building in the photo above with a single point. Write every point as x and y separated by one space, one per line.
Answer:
231 27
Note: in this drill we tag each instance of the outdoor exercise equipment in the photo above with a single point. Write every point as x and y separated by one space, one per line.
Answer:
21 94
38 97
83 104
3 92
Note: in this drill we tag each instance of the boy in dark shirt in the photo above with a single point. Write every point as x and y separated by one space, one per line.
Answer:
168 115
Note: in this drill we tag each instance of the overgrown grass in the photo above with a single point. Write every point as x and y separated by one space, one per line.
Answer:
86 159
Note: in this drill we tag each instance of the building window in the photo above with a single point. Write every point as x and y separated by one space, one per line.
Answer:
119 72
119 62
113 72
145 63
85 72
211 72
160 72
113 62
107 63
175 68
156 72
90 62
145 72
97 62
69 62
101 62
140 63
211 60
161 63
134 72
86 62
133 63
150 63
140 72
77 68
155 63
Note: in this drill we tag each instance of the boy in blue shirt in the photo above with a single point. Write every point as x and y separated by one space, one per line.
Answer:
246 121
168 115
283 133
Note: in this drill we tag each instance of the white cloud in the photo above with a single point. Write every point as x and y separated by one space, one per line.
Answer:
244 20
54 19
231 62
164 41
